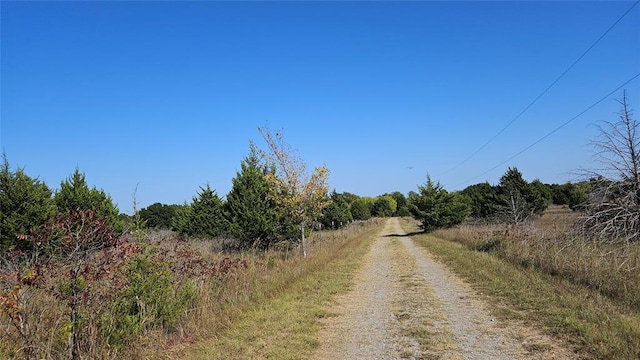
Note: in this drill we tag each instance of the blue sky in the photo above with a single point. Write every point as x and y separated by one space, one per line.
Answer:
167 95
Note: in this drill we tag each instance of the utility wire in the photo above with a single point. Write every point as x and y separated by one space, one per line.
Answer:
545 90
554 130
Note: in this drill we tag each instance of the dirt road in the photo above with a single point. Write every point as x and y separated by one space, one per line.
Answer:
405 305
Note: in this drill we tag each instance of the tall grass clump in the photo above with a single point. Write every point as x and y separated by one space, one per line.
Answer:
550 245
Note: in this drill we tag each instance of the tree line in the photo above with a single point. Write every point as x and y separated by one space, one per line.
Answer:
273 198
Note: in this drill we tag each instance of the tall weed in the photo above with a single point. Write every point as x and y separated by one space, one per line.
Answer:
550 246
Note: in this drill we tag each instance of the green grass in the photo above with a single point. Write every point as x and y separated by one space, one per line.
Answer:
593 324
418 309
282 322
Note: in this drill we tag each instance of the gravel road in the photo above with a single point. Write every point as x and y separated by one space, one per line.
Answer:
405 305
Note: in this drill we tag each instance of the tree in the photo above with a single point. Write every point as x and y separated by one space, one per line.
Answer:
337 213
159 215
543 196
204 217
519 201
401 204
483 200
361 208
250 208
436 208
75 195
384 206
573 195
303 196
181 221
24 203
613 206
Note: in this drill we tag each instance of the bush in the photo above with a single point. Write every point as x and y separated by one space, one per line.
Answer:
150 299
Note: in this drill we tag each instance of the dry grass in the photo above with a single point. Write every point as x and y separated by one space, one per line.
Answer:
271 309
585 292
221 302
550 246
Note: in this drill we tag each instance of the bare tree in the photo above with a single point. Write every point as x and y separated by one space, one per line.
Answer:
302 195
613 207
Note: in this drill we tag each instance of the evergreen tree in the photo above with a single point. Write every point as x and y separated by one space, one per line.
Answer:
542 195
75 195
436 208
519 200
337 214
483 200
25 203
204 216
181 221
250 208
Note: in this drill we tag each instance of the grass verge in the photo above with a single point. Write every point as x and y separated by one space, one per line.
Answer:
280 320
593 324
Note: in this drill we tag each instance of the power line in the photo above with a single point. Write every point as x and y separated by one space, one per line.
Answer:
545 90
554 130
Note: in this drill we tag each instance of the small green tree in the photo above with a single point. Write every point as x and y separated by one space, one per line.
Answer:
250 207
361 208
384 206
24 203
181 221
436 208
483 200
519 200
205 216
75 195
158 215
543 195
302 196
401 204
337 214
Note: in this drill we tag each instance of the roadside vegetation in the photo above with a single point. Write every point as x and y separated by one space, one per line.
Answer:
572 268
79 279
581 292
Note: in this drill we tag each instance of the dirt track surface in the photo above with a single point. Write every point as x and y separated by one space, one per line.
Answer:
405 305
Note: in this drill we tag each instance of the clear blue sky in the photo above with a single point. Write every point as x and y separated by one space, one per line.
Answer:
168 95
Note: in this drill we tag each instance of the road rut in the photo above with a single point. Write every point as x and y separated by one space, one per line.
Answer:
405 305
